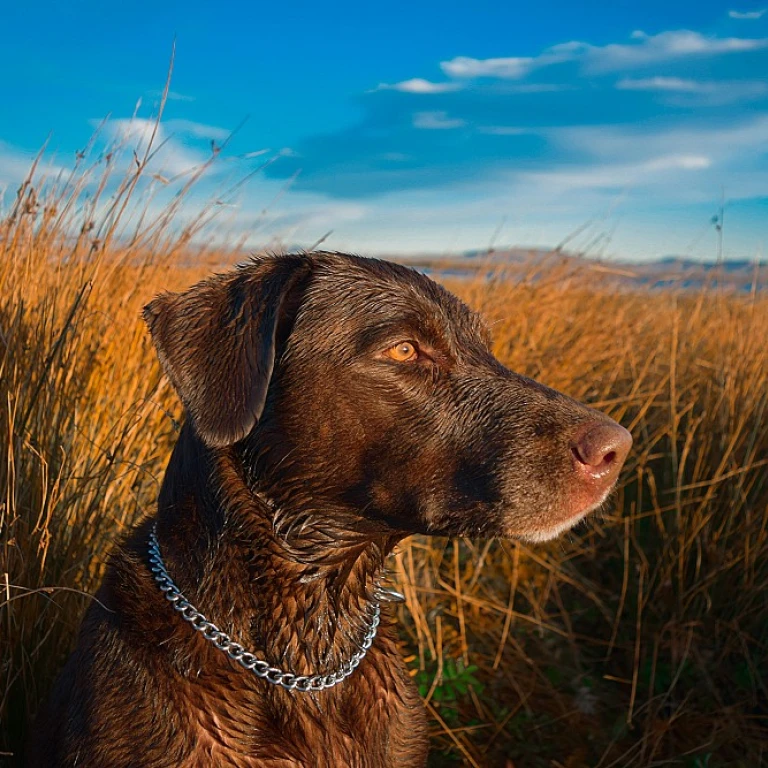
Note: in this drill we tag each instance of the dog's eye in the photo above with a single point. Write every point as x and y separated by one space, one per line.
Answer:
403 352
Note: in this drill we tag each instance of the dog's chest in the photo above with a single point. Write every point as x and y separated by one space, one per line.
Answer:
364 725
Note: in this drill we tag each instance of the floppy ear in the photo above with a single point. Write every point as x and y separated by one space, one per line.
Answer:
216 343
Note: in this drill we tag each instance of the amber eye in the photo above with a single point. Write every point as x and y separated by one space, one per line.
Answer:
403 352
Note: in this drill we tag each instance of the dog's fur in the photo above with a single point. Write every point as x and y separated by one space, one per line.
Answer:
309 452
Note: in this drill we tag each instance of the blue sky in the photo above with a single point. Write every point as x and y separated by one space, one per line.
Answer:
420 127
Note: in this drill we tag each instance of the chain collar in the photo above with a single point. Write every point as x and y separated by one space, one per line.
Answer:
236 652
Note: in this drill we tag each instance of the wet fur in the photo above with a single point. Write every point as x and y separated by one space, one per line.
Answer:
307 456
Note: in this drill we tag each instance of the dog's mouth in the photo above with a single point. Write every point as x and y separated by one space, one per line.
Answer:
598 452
561 523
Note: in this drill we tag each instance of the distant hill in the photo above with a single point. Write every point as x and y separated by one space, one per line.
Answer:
667 272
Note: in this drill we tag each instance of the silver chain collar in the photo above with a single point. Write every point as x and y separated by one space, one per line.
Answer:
236 652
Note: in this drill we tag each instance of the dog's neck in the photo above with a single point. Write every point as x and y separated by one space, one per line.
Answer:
299 593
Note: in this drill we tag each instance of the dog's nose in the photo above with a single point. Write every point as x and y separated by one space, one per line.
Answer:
600 450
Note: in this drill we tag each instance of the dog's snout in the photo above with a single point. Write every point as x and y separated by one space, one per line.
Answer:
600 450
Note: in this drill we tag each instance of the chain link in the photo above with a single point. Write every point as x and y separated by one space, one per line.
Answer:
236 652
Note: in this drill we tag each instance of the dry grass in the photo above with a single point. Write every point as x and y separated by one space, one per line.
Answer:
639 640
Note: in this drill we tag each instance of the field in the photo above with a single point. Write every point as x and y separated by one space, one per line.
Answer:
640 639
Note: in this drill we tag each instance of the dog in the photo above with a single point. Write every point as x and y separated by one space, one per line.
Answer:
335 405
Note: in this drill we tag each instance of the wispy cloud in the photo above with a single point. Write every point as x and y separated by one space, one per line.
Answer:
511 68
15 165
741 140
747 15
615 176
172 96
172 155
419 85
198 130
706 92
503 130
662 84
436 121
666 46
642 50
314 216
676 162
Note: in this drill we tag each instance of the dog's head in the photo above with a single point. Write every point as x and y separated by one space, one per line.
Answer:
365 389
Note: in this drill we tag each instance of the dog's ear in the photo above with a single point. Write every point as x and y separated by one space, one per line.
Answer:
216 343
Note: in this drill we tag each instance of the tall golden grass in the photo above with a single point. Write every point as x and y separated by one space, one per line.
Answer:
641 639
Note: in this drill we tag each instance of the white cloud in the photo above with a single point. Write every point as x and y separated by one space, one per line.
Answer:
198 130
615 176
15 165
316 215
419 85
746 139
137 130
433 121
538 88
171 156
172 96
747 15
704 92
255 153
644 50
666 46
662 84
676 162
510 68
272 214
503 130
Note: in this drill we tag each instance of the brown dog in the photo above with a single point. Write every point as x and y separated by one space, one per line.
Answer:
336 404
